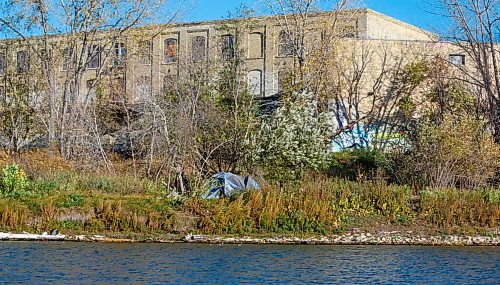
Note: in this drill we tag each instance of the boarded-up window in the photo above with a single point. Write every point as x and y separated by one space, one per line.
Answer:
22 61
284 80
94 57
255 82
170 49
118 88
91 87
143 86
285 44
67 59
198 48
3 63
145 52
120 54
313 41
228 44
255 45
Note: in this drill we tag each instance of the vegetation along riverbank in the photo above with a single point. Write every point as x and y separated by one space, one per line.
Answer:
47 193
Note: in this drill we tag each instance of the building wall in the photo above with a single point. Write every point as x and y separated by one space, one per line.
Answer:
259 42
381 27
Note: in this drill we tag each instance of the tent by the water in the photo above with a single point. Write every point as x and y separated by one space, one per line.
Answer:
227 184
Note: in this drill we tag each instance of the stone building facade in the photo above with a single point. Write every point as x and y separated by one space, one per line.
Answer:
145 59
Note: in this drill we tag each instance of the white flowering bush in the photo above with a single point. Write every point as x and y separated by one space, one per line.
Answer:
296 138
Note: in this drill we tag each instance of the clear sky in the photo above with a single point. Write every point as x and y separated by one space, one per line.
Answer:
415 12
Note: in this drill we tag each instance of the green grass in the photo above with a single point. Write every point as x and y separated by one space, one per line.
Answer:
320 205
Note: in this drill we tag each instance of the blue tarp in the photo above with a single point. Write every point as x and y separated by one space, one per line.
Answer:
226 184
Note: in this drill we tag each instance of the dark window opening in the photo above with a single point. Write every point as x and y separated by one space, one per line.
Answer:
198 49
94 57
67 59
349 32
285 44
228 46
3 64
22 62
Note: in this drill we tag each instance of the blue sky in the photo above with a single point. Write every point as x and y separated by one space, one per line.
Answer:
415 12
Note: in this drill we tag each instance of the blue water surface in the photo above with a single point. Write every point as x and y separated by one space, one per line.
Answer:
96 263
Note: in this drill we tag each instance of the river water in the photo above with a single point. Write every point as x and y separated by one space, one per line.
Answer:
97 263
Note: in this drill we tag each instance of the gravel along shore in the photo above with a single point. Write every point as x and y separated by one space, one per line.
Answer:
388 238
354 238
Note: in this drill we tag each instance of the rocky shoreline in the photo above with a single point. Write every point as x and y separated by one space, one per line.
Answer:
381 238
390 238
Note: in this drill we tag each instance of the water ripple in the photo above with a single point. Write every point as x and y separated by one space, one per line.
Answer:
83 263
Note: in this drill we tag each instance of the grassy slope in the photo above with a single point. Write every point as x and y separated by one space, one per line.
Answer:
91 203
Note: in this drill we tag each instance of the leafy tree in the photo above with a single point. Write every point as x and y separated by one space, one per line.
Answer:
294 139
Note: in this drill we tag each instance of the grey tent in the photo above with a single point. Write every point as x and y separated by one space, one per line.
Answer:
226 184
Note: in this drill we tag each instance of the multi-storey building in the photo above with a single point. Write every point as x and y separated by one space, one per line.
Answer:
142 61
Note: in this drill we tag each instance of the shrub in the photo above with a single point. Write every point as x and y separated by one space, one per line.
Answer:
453 154
295 139
73 200
357 164
14 181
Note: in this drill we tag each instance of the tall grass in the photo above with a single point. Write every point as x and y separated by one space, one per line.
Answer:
329 205
450 208
93 203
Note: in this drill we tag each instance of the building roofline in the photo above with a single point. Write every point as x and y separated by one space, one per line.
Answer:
366 11
401 23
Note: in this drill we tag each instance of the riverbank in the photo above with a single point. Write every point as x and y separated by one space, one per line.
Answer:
381 238
124 207
324 207
354 239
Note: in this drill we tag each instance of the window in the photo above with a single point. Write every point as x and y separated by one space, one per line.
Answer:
198 48
118 88
22 61
349 32
255 45
143 86
94 57
3 64
67 59
145 51
170 50
284 80
168 80
2 92
120 54
285 44
91 87
255 82
228 47
457 59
